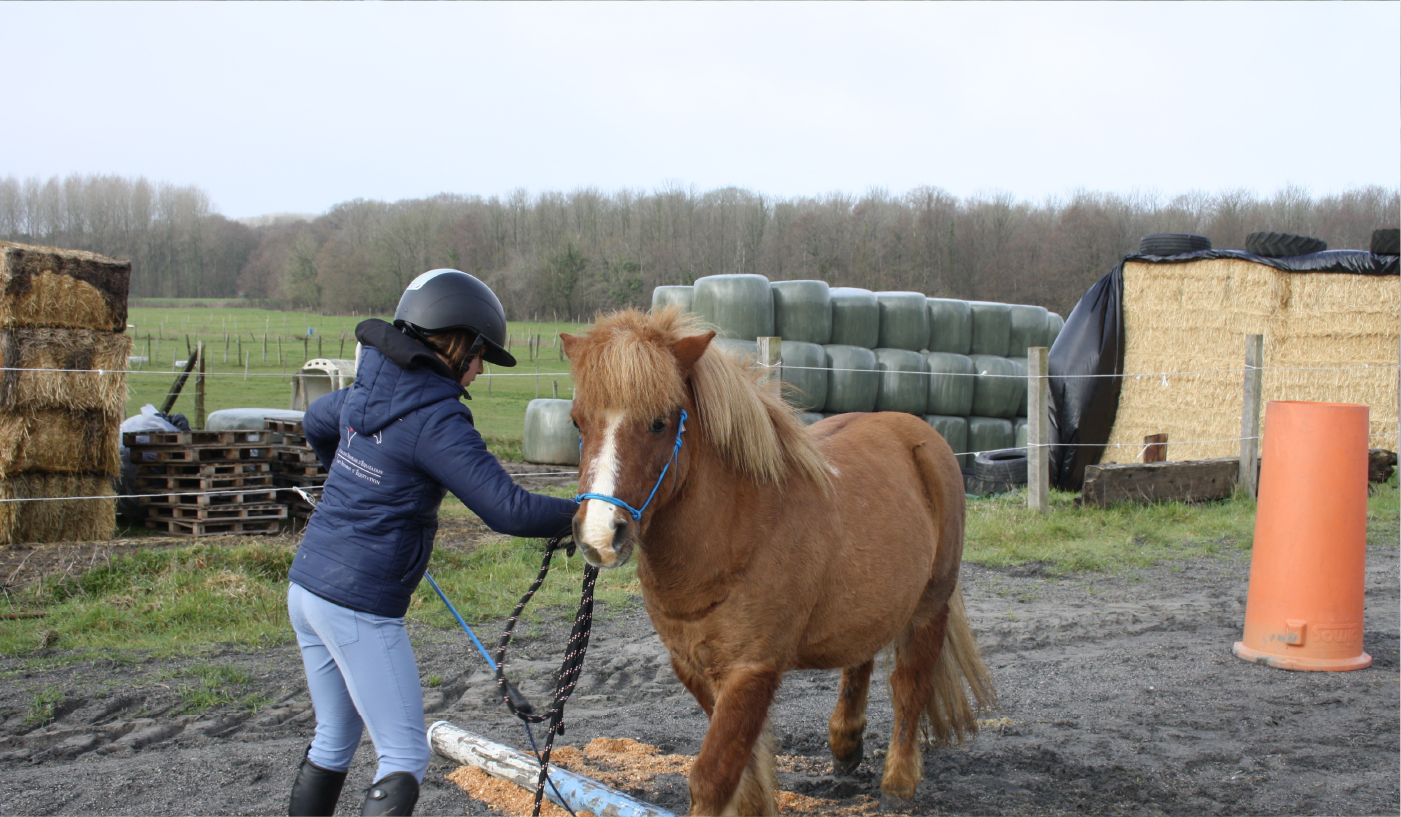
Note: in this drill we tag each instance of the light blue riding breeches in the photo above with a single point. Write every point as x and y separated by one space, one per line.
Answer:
361 672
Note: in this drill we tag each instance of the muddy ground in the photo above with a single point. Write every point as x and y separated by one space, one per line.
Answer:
1120 693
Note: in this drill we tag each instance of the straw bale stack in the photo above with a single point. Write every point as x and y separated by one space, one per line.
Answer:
1193 317
59 430
62 520
48 286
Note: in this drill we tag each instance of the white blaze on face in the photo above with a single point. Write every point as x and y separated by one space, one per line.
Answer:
598 515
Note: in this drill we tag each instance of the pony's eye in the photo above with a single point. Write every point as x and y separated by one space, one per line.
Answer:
576 425
658 425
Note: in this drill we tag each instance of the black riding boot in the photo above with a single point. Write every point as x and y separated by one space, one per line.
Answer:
315 791
394 794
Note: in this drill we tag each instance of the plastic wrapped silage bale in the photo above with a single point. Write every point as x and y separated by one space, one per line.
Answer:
802 311
989 434
998 387
1054 323
739 306
1028 329
951 383
950 326
992 328
810 417
852 379
904 320
746 350
1020 365
550 436
681 296
855 317
805 368
954 430
903 381
1019 432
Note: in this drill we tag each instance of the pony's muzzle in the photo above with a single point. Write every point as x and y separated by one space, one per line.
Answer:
603 532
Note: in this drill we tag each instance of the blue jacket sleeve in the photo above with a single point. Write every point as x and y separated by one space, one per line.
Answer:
322 425
452 452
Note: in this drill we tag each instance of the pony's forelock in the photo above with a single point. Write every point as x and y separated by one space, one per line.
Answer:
625 363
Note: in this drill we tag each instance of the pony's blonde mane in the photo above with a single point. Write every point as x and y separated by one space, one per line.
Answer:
625 363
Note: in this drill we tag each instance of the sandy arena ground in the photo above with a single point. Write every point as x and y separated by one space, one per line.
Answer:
1119 694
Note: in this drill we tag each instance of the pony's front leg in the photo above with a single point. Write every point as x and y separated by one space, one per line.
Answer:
732 746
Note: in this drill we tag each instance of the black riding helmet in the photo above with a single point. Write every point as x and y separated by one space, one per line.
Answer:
443 299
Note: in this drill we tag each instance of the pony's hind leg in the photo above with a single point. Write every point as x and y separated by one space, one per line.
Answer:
848 722
734 773
917 653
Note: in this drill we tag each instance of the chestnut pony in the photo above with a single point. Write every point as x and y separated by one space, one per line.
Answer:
767 547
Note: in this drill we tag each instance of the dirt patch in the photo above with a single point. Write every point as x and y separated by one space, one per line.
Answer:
1118 694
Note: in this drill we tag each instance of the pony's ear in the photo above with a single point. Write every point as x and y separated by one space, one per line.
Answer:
689 349
568 341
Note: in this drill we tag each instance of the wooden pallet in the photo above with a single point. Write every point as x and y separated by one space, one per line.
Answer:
300 480
147 439
204 469
252 512
213 527
289 469
283 426
201 453
297 456
205 500
292 441
220 483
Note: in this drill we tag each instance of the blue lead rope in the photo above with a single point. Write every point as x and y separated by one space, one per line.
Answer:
637 512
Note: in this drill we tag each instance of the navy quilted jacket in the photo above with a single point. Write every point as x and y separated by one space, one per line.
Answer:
394 443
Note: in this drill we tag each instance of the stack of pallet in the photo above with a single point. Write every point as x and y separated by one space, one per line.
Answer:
63 358
296 466
218 481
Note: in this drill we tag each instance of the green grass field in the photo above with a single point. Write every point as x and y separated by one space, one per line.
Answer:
274 345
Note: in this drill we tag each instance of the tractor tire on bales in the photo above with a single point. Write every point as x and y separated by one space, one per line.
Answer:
1282 245
1166 244
1007 466
1386 242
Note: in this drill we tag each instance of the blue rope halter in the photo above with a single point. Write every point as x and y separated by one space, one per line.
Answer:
636 513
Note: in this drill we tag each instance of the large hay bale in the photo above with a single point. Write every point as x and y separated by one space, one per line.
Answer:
550 436
954 430
99 357
950 326
951 382
57 520
805 371
904 381
1028 329
1054 323
1019 363
992 328
682 296
989 434
999 388
802 311
1329 337
852 379
48 286
745 350
809 417
855 317
1019 434
60 441
739 306
904 320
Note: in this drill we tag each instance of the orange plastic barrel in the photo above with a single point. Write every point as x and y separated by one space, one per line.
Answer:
1309 562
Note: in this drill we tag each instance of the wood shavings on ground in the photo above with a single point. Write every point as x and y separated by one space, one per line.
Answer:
503 796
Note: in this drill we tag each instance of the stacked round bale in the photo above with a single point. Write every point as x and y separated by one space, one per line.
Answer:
63 354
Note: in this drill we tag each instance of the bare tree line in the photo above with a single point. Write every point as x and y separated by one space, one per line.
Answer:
573 253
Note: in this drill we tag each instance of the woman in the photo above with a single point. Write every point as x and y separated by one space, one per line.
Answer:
393 444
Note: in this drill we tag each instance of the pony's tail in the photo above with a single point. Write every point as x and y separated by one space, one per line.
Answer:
950 716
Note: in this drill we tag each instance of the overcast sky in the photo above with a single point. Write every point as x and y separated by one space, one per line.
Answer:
294 107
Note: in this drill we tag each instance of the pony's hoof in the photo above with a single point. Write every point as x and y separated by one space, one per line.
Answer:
890 804
844 766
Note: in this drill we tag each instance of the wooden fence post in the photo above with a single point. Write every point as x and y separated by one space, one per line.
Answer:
1250 413
771 358
199 388
1038 432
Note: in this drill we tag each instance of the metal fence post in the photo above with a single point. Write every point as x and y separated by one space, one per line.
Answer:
1038 431
1250 413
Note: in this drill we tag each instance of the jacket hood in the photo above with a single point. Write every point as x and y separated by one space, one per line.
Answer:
397 375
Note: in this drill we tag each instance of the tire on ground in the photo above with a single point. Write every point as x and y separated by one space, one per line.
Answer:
1282 245
1007 465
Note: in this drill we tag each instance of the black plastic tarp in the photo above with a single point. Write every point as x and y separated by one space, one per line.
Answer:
1083 407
